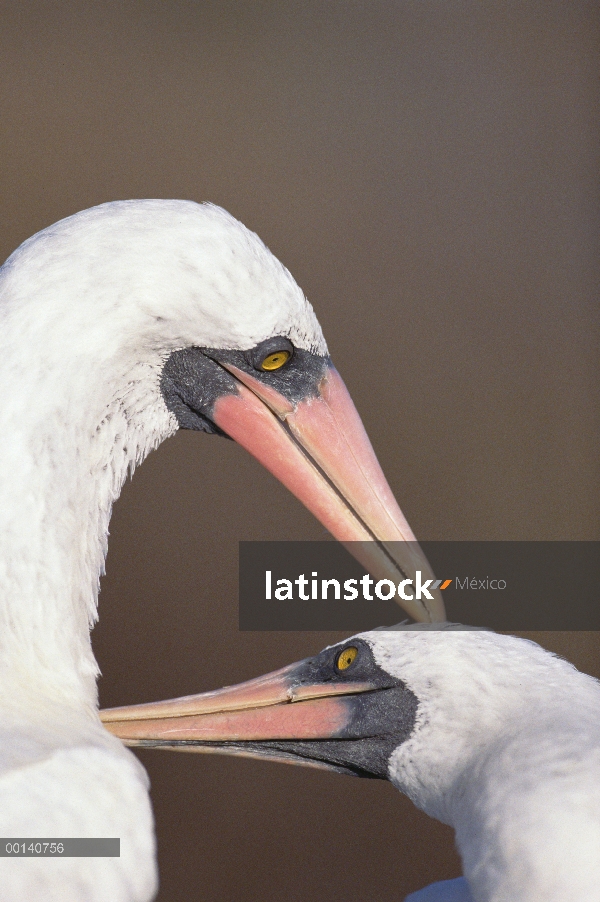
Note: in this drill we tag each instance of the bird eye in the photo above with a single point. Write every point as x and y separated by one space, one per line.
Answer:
346 657
275 361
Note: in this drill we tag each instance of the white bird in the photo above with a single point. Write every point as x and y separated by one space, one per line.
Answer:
118 326
487 733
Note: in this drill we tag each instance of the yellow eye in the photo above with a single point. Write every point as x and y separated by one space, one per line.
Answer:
275 361
346 657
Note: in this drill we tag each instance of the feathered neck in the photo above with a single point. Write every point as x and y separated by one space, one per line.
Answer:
80 407
505 750
73 424
90 309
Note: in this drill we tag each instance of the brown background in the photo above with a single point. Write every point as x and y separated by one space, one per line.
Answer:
428 172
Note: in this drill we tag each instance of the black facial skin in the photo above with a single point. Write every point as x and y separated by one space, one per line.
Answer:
193 379
379 720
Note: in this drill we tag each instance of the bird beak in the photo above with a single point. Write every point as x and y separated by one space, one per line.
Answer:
273 716
319 450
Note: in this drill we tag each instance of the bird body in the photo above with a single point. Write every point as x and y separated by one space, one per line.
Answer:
60 778
118 326
487 733
81 350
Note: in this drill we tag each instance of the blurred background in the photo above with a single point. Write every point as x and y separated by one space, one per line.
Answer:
428 171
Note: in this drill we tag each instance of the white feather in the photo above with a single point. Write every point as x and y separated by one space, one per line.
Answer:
90 308
506 750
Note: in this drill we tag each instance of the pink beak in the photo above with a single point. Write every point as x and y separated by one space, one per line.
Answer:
253 718
319 449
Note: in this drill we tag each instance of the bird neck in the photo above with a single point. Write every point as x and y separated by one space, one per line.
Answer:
70 435
526 819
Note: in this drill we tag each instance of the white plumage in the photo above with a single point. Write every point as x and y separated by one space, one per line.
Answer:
506 750
506 743
90 309
118 326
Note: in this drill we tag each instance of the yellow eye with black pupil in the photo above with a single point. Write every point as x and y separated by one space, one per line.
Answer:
346 657
275 361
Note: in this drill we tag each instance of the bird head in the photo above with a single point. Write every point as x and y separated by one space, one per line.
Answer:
431 708
148 316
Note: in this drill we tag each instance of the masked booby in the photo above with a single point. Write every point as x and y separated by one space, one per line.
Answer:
487 733
118 326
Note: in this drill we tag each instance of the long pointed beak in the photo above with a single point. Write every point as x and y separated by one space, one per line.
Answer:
282 705
319 449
